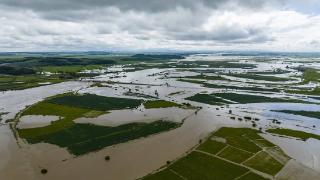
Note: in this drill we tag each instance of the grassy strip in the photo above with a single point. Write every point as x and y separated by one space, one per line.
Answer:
80 139
69 69
251 176
246 98
95 102
207 99
315 91
228 87
28 81
206 77
311 114
294 133
259 77
160 104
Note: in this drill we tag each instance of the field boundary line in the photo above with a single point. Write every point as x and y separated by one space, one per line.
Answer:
242 175
174 172
252 157
222 150
238 164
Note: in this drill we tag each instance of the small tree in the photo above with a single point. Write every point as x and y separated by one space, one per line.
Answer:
107 158
44 171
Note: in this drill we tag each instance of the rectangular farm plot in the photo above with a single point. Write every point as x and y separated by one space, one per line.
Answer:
265 163
235 155
198 165
211 146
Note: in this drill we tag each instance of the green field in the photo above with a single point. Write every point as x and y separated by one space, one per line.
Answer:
211 146
311 114
259 77
315 91
205 77
80 139
70 107
235 154
27 81
69 69
221 86
294 133
160 104
264 163
246 98
207 99
211 159
227 98
311 75
95 102
201 166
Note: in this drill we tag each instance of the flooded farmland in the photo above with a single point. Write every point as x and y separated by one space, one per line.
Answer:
128 121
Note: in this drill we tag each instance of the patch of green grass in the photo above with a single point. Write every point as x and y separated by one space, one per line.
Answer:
67 114
294 133
95 102
80 139
235 155
240 138
160 104
311 75
205 77
27 81
211 146
235 132
260 77
246 98
315 91
264 163
243 143
70 107
166 174
175 93
207 99
69 69
221 86
264 143
252 176
197 165
311 114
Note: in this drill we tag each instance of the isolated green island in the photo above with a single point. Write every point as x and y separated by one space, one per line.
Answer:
80 139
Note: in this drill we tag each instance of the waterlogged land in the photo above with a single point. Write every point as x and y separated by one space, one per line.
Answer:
159 116
229 153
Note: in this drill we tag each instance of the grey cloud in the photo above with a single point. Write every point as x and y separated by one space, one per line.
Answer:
138 5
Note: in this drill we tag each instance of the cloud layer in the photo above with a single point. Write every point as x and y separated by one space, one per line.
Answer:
60 25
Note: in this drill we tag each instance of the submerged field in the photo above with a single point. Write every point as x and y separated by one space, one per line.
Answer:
80 139
133 116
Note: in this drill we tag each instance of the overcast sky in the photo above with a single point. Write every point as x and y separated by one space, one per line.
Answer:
68 25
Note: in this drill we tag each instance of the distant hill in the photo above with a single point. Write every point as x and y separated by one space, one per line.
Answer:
153 57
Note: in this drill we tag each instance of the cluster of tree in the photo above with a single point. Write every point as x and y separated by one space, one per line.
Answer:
9 70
